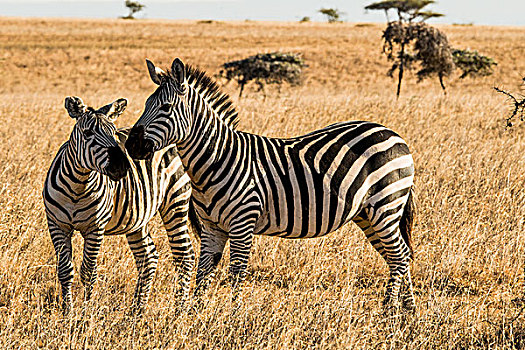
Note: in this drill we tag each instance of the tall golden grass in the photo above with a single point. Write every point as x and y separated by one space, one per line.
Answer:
319 293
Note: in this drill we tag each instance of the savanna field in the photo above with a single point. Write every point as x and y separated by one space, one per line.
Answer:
321 293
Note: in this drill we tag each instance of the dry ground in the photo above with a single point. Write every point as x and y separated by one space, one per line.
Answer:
319 293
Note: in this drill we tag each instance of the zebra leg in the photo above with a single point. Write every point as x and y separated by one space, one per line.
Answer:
398 259
240 247
62 243
146 258
88 269
374 239
175 222
385 236
371 235
212 247
407 293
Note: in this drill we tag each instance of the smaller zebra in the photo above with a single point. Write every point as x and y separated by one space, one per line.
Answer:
94 187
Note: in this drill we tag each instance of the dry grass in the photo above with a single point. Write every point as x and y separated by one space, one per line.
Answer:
319 293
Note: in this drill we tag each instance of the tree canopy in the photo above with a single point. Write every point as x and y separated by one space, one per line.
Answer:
133 7
407 10
332 14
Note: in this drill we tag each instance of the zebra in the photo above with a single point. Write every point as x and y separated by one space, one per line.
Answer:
300 187
93 187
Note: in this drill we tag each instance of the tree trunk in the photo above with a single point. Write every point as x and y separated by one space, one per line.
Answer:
240 92
401 69
442 84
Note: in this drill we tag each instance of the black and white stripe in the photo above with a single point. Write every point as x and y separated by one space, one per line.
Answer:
93 187
301 187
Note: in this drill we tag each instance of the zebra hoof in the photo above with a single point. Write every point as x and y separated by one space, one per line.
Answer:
410 307
391 307
195 307
182 306
66 309
136 311
519 302
409 304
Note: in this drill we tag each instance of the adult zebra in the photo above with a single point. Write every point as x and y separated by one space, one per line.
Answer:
307 186
93 187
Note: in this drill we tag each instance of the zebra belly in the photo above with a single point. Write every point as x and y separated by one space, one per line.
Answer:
330 176
300 226
324 208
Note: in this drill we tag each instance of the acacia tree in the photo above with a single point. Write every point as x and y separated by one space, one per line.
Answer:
408 40
133 7
332 15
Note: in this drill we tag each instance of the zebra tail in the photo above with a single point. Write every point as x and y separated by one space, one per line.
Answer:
407 221
194 221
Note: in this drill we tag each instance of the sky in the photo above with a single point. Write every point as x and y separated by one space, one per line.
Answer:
486 12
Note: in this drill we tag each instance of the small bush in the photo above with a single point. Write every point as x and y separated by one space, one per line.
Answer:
265 68
472 63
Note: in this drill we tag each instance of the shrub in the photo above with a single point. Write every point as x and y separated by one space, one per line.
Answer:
472 63
265 68
406 34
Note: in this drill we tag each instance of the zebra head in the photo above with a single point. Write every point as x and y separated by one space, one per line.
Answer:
166 116
93 138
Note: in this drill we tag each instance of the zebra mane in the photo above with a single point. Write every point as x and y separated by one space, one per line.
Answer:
219 101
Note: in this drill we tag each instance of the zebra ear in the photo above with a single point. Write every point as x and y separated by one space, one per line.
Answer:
178 71
114 110
75 106
154 72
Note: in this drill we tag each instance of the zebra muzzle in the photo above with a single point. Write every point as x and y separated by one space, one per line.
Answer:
137 146
118 164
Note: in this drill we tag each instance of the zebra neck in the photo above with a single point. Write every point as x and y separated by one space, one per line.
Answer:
207 148
80 180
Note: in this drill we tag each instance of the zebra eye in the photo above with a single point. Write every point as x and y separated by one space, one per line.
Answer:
165 107
88 133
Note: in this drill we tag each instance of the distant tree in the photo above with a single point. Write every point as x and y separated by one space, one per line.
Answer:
407 10
409 40
332 15
305 19
133 7
265 68
518 105
428 46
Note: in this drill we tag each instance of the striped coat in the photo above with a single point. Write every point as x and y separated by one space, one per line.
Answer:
301 187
